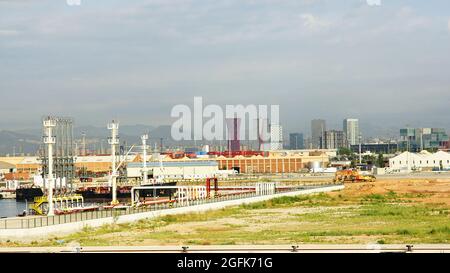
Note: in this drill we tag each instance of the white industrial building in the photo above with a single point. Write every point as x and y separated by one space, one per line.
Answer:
176 169
6 168
420 161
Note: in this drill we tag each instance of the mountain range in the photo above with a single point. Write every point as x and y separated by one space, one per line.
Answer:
27 141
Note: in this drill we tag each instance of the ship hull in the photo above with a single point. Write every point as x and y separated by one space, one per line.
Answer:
28 194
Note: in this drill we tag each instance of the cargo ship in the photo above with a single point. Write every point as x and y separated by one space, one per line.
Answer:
28 193
101 193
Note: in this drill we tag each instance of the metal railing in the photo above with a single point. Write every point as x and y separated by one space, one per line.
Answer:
42 221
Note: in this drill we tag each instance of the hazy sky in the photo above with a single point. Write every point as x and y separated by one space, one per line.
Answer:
388 65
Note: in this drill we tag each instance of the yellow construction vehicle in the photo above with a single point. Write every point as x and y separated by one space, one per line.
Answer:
352 175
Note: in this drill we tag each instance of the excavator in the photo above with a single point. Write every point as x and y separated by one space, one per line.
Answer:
352 175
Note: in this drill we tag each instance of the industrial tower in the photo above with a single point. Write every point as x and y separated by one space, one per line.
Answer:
144 139
50 140
63 154
113 141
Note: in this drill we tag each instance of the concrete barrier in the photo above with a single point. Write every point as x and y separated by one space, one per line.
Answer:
40 233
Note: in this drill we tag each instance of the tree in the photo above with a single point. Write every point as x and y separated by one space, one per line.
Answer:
344 151
380 161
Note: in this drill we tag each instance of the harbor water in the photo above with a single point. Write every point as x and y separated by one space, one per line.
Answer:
11 207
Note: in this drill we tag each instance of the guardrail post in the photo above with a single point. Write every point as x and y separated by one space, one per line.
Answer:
409 248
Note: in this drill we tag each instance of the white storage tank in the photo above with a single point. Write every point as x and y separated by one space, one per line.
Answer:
316 165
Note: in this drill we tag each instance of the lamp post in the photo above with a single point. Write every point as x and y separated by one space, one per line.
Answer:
144 139
83 140
360 155
113 141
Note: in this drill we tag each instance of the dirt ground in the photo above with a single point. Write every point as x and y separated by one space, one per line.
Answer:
435 190
246 228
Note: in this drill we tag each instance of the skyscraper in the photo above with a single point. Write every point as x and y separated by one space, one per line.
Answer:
234 127
351 130
276 137
296 141
333 139
318 127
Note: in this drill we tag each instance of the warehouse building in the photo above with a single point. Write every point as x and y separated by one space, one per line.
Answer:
280 161
177 169
6 167
284 161
26 167
423 161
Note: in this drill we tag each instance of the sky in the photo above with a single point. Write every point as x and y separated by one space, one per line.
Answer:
386 64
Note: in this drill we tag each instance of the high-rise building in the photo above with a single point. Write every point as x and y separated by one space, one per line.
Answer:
296 141
276 137
417 139
318 127
333 139
234 127
351 130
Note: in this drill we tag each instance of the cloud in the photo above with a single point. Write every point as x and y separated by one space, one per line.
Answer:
448 24
253 50
312 22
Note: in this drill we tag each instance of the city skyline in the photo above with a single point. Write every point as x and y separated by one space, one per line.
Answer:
335 124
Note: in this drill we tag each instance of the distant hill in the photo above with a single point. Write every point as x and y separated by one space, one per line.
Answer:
99 132
27 141
19 143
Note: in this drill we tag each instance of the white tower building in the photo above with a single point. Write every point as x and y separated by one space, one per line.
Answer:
276 137
351 130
